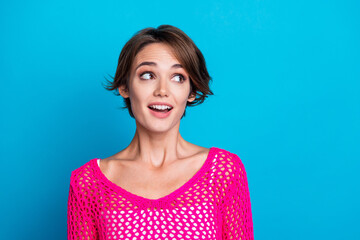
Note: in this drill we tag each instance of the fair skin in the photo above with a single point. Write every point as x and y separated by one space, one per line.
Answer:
158 160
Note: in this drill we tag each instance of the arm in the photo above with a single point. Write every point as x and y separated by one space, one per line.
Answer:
79 222
237 216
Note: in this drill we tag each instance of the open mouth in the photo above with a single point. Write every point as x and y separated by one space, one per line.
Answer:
160 110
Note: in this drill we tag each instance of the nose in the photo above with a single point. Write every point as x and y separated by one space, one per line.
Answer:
161 88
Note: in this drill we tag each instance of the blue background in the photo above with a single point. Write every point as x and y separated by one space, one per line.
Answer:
286 82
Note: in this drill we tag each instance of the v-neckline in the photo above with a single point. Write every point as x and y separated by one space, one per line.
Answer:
174 193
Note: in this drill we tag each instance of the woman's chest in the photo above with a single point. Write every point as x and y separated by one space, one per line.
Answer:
152 184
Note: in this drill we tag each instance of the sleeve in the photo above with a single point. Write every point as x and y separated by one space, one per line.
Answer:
80 223
237 216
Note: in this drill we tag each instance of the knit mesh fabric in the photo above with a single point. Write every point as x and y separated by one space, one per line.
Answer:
213 204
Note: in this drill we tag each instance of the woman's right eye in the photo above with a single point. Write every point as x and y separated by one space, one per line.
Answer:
145 75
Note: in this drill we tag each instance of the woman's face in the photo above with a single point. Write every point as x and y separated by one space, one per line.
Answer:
157 76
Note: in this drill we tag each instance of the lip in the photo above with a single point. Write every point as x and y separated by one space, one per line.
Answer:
160 103
160 114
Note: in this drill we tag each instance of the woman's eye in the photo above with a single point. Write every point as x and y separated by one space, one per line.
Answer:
179 78
145 75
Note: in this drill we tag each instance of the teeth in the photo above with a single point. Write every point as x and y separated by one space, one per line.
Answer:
160 107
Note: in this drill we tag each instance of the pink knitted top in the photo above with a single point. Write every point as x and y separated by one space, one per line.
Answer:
212 204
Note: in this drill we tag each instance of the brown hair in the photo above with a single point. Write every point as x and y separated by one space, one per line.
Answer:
185 50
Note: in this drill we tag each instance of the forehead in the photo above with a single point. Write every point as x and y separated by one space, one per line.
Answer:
155 51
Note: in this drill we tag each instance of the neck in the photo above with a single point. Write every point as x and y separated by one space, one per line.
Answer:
155 148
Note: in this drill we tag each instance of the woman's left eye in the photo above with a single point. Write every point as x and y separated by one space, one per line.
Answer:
180 77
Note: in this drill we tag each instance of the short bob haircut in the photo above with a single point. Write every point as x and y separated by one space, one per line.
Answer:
185 50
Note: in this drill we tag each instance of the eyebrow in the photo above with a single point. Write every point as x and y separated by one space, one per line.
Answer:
154 64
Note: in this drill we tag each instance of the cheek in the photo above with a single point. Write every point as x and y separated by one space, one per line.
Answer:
181 96
139 95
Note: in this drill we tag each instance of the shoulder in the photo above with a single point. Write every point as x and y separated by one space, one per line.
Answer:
82 176
230 163
227 157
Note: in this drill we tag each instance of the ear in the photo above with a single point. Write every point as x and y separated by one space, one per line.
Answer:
123 92
191 97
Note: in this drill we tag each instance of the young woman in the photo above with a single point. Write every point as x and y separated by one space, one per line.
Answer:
161 186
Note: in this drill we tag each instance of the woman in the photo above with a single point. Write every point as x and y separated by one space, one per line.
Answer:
161 186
